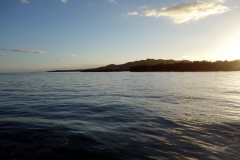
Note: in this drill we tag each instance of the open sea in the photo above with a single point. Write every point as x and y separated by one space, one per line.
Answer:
124 115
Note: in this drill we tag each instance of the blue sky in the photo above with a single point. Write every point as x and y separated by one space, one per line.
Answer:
39 35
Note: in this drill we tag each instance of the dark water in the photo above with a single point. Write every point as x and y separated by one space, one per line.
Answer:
120 115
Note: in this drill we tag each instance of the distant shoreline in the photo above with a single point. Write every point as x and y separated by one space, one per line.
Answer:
151 65
133 71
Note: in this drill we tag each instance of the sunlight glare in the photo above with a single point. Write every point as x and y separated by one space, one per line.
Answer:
232 52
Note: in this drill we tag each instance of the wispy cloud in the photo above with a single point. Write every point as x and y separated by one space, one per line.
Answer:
64 1
132 13
71 55
142 7
186 12
24 50
24 1
146 6
2 55
112 1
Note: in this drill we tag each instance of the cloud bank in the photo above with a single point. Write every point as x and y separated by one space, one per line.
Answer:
186 12
24 50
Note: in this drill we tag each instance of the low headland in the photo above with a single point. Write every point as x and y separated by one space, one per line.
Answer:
160 65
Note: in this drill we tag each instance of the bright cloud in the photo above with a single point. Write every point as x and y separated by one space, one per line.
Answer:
24 50
73 55
24 1
186 12
64 1
132 13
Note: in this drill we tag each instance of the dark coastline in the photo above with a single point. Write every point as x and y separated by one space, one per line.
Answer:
151 65
65 71
122 67
196 66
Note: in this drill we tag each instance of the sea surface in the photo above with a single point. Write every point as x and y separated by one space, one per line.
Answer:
124 115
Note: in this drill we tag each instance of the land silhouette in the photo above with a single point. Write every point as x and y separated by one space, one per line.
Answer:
123 67
160 65
190 66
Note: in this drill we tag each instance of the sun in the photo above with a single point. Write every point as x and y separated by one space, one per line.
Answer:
232 52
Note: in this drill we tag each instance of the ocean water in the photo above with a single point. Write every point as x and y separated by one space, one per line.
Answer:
122 115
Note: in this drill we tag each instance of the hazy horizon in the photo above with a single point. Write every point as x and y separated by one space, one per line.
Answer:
70 34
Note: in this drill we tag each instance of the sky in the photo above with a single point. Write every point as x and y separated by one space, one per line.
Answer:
41 35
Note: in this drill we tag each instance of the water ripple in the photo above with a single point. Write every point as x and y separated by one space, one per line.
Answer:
120 116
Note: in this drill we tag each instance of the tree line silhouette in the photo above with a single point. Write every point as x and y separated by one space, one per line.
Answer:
189 66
